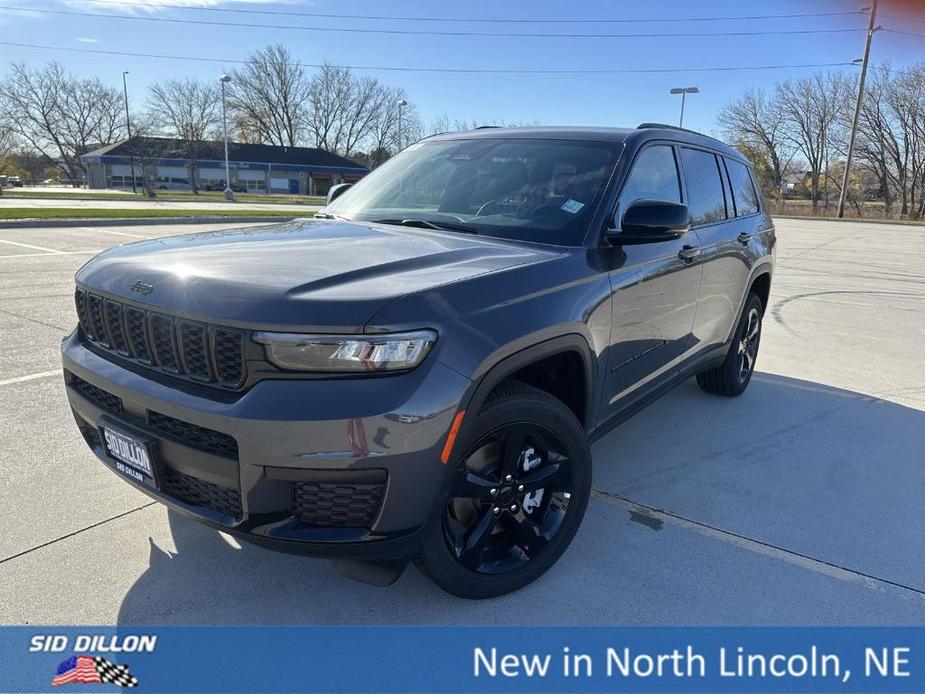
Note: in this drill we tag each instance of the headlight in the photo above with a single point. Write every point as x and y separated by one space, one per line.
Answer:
347 353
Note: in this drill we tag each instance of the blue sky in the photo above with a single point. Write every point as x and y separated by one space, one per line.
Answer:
618 99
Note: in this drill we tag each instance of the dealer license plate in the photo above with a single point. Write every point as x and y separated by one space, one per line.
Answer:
132 455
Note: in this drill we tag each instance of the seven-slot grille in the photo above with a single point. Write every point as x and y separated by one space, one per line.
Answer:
196 351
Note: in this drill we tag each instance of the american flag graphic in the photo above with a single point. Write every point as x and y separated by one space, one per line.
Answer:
88 669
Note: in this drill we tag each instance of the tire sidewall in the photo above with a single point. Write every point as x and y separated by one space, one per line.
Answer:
753 302
523 407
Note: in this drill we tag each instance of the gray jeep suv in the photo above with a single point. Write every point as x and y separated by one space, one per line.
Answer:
417 371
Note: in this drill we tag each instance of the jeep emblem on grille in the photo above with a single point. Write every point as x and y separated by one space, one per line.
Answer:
142 287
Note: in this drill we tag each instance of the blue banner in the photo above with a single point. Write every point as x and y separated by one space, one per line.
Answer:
470 659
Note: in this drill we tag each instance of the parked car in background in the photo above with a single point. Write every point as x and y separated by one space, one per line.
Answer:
164 183
220 186
418 371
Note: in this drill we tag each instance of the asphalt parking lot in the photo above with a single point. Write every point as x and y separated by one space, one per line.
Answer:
799 503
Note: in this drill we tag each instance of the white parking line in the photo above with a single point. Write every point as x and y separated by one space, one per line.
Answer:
115 233
35 255
801 560
27 245
30 377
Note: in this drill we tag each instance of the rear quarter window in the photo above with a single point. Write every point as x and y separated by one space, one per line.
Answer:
743 188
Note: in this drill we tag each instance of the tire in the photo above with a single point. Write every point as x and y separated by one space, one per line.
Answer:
732 377
553 452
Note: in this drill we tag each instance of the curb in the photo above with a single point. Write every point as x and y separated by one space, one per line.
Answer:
137 221
853 220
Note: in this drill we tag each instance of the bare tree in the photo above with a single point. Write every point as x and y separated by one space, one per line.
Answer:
190 110
877 143
7 141
59 116
330 94
440 124
384 138
905 98
760 123
367 99
347 112
147 151
270 98
812 108
891 139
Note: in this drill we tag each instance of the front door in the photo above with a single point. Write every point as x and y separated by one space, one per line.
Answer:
655 289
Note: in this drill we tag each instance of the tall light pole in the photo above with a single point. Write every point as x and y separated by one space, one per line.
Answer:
684 91
401 104
229 194
857 109
128 129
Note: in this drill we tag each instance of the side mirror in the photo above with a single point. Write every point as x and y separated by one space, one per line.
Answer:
651 221
336 191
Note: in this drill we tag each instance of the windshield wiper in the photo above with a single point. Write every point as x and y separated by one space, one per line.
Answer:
429 224
327 215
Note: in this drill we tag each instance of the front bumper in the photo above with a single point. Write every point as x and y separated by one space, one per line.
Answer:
345 467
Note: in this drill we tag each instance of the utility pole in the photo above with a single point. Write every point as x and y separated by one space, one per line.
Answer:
857 109
684 91
128 129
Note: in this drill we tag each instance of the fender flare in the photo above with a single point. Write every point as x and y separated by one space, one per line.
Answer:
480 388
495 374
763 268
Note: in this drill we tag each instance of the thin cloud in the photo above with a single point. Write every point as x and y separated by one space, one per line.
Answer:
151 6
85 39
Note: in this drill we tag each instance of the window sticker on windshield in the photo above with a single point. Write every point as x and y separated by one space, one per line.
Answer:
572 206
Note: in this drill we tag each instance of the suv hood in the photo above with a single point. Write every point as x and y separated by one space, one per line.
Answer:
314 275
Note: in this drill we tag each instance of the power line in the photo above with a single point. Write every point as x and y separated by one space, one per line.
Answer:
893 70
354 30
903 19
904 33
497 71
483 20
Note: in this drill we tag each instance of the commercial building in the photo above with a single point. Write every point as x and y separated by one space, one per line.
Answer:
168 164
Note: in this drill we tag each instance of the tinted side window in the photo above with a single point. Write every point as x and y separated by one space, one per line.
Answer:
704 188
743 190
654 177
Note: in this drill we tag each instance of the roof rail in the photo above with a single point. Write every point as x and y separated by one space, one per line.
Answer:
484 127
641 126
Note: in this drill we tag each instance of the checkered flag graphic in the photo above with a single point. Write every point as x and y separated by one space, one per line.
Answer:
114 674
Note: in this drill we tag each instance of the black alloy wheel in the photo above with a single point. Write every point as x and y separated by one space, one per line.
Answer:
748 344
518 491
510 500
733 375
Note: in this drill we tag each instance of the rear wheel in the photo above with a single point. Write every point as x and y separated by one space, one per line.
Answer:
732 377
520 491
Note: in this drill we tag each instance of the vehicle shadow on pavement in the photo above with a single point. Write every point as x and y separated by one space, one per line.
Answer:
829 475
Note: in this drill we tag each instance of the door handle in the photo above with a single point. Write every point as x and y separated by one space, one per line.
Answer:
688 253
744 238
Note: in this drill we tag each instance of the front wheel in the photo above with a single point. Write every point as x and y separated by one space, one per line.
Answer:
732 377
520 492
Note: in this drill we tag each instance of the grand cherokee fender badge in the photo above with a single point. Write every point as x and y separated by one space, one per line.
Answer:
142 287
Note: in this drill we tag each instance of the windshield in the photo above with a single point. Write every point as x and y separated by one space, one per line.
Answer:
526 189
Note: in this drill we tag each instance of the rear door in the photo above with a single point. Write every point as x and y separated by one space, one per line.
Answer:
654 288
725 224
